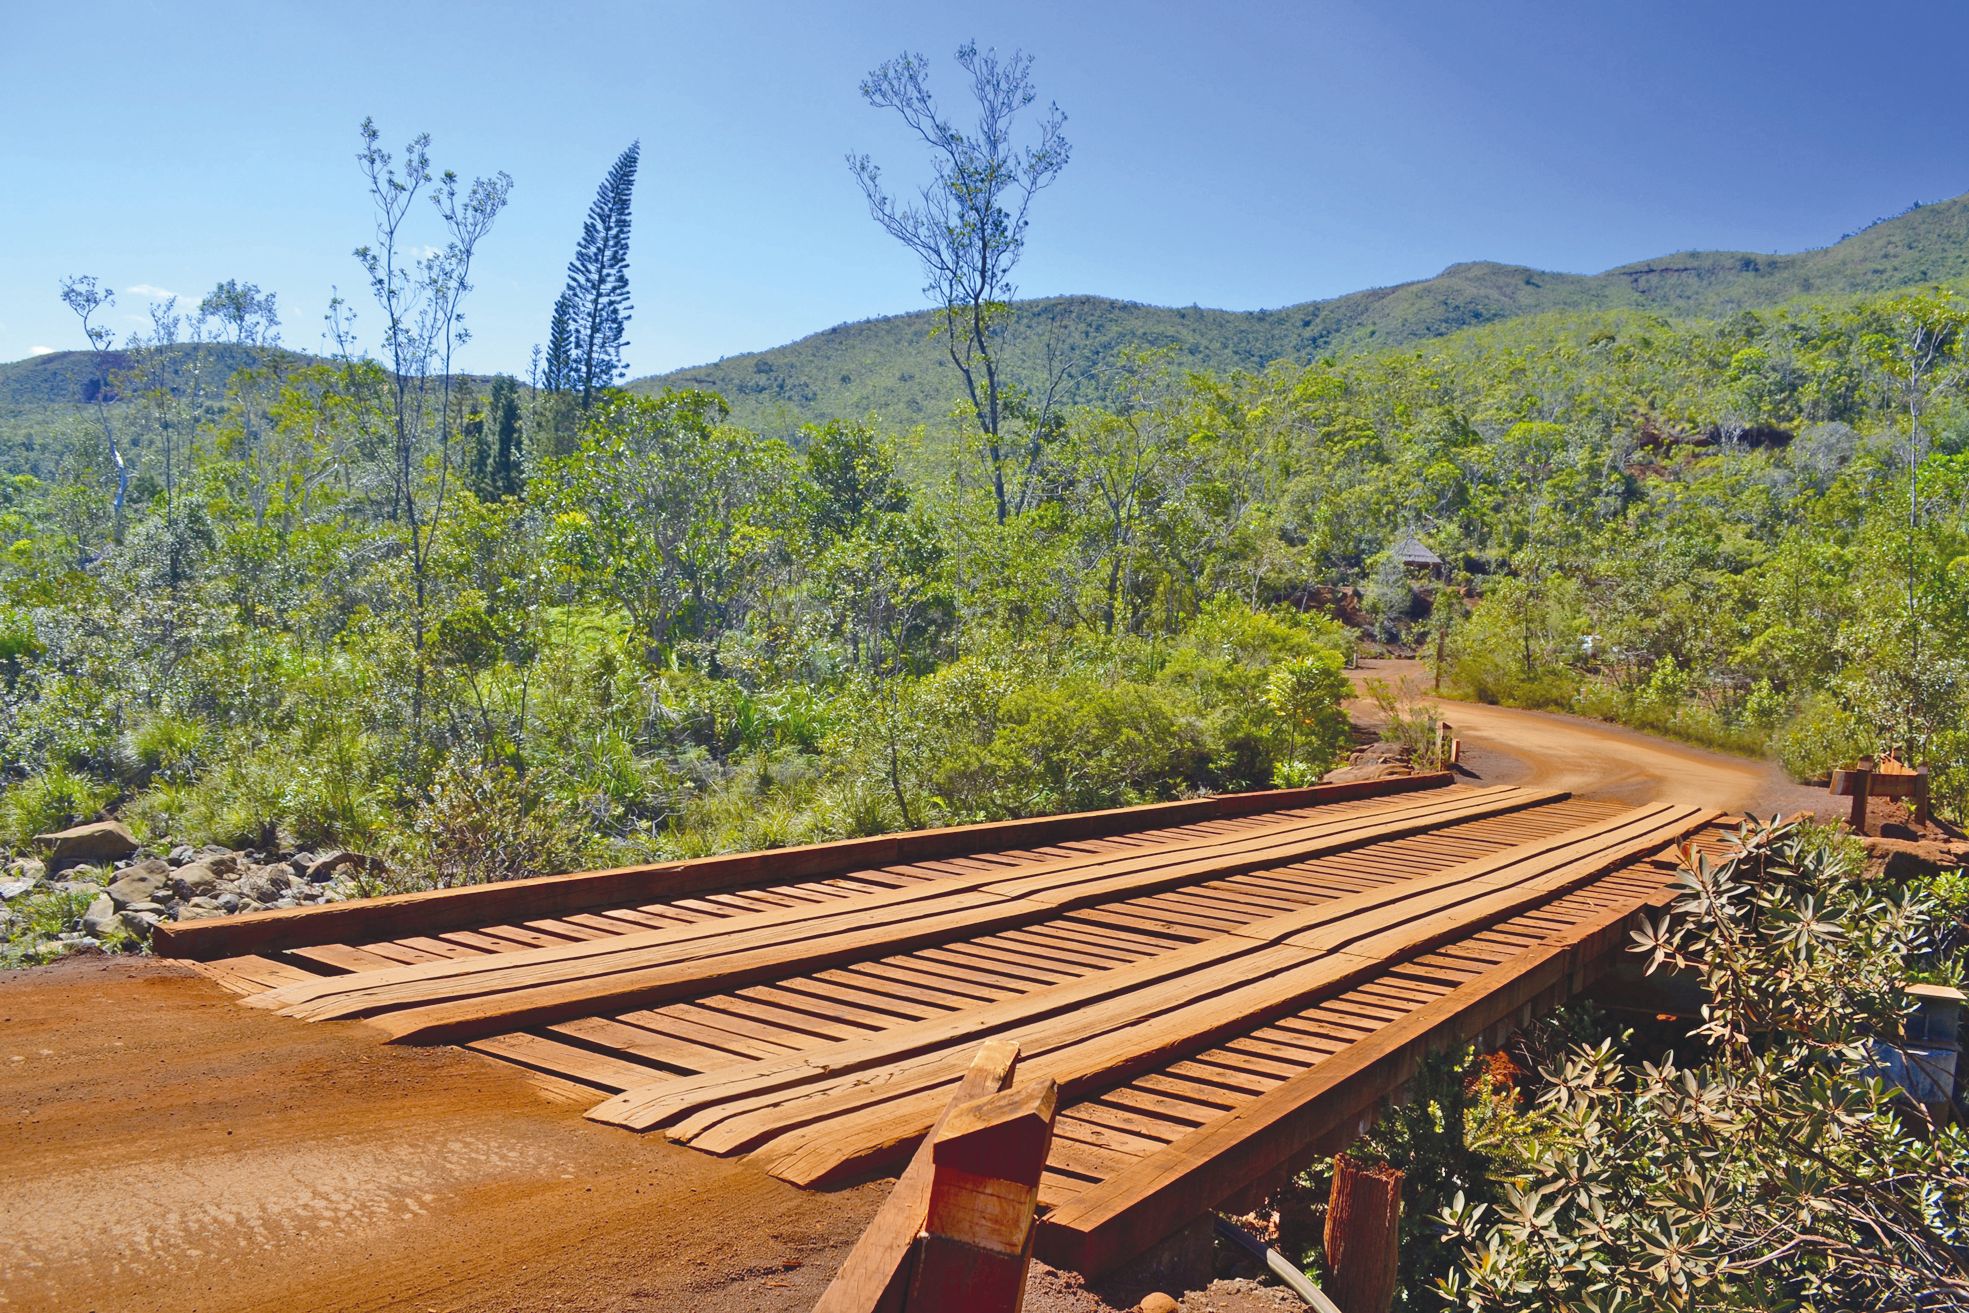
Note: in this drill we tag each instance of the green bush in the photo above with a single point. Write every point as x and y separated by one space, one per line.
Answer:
1820 736
482 824
168 746
1081 744
53 800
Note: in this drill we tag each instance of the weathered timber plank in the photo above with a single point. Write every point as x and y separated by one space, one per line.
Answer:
1106 1223
1186 978
391 918
816 1151
874 1275
449 1001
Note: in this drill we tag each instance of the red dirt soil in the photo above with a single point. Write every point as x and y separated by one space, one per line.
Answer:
164 1148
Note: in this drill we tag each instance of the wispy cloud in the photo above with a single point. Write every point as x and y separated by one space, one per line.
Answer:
153 292
41 351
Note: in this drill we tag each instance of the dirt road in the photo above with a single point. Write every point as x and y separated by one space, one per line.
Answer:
1504 745
163 1148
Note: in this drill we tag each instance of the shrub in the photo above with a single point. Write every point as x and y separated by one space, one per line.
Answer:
1821 735
168 746
482 825
1779 1170
1078 745
53 800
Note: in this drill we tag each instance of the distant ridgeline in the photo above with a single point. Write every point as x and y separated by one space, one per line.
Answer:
892 369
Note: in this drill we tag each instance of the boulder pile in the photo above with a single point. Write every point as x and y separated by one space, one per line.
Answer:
101 891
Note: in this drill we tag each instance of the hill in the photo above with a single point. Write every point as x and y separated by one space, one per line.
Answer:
893 369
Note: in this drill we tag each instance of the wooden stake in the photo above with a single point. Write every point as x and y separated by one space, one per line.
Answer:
977 1237
1363 1235
876 1275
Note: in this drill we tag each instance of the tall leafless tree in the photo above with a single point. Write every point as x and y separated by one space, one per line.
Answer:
968 224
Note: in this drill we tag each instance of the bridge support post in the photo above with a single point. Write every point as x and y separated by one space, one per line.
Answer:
1363 1235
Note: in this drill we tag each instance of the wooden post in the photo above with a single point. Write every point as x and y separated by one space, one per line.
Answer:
1855 783
876 1275
1363 1235
977 1237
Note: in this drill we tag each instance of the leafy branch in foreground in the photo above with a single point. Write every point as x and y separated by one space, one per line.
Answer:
1778 1172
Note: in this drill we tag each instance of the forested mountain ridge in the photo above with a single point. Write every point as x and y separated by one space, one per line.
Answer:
892 369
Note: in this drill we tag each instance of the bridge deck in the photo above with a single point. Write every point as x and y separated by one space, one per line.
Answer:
1222 987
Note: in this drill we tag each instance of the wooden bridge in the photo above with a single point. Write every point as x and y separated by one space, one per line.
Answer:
1221 988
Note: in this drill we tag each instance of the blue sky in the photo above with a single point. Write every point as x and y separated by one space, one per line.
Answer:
1237 155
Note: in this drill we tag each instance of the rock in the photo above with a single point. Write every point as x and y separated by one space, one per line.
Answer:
141 921
333 864
1157 1302
199 877
102 920
101 841
193 912
28 869
139 883
1373 770
13 889
81 888
180 855
228 903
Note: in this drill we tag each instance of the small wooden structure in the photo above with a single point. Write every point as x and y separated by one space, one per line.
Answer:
1888 779
1413 554
1363 1235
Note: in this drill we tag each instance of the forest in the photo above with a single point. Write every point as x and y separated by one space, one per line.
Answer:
644 630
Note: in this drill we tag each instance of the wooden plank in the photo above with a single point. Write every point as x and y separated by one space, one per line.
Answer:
424 913
444 1001
1045 879
565 1060
1246 964
1127 1213
1105 1043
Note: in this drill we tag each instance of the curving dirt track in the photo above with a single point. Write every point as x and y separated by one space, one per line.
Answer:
1506 745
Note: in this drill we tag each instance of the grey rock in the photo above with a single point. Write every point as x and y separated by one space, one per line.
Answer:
27 868
199 877
208 904
228 903
181 854
144 909
342 861
100 841
106 926
100 911
192 912
12 889
140 883
84 888
141 922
